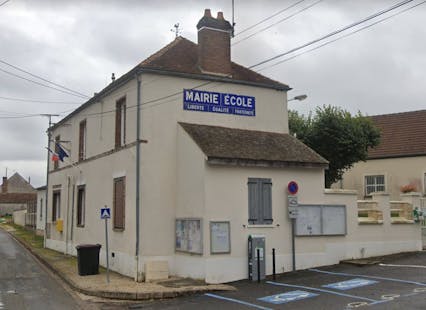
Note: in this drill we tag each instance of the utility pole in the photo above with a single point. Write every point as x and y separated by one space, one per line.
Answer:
49 136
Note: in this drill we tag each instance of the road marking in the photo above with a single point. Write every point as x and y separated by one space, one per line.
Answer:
321 290
237 301
357 304
409 266
369 277
287 297
350 284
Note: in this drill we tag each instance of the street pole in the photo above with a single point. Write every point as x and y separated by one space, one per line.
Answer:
49 136
293 222
106 247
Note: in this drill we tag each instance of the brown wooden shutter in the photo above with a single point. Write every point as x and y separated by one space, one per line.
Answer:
117 125
82 140
56 163
119 202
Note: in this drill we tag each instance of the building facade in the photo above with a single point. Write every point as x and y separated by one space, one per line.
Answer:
16 194
192 155
398 164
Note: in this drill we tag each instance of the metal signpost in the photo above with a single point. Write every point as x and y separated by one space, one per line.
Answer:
292 189
105 215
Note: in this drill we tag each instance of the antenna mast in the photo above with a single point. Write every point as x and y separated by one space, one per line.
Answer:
233 21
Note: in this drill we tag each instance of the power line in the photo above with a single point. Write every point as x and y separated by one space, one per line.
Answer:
43 79
278 22
3 3
269 17
37 100
40 84
333 33
342 37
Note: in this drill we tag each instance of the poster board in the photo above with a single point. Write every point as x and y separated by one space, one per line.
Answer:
189 236
220 237
321 220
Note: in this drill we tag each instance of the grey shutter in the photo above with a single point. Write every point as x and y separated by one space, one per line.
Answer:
253 200
266 201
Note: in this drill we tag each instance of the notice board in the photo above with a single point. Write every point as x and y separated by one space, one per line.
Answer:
321 220
220 237
189 237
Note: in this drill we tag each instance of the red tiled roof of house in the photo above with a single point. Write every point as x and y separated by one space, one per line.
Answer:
181 56
402 135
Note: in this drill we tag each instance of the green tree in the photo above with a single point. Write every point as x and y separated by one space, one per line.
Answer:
336 135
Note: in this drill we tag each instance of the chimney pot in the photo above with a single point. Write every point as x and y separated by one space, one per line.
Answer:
207 13
220 15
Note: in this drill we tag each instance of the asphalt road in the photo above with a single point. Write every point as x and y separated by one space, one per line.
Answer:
25 284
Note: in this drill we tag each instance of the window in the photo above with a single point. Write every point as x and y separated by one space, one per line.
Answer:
260 201
56 205
374 183
119 202
81 205
41 208
82 141
56 162
120 123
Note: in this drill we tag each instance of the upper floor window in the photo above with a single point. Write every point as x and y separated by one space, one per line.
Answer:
120 122
374 183
260 201
82 140
56 162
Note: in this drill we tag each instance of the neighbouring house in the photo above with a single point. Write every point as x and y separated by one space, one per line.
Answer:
398 164
16 194
41 209
191 154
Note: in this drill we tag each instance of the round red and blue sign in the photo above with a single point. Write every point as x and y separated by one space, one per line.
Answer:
292 187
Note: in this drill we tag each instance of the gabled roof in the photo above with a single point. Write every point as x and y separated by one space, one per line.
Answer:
180 58
402 135
249 147
17 184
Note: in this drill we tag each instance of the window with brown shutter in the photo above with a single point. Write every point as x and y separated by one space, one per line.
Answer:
81 205
119 202
82 141
56 162
56 205
120 123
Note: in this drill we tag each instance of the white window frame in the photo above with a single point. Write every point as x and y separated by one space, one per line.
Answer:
375 184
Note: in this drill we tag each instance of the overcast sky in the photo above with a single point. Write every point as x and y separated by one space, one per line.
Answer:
78 44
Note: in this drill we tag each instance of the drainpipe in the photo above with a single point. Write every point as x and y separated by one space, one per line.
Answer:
67 214
138 152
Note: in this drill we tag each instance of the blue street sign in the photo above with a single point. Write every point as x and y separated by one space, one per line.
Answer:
287 297
347 285
205 101
292 187
105 213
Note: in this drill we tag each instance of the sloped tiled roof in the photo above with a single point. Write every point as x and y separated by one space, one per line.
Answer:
249 146
181 56
17 184
402 135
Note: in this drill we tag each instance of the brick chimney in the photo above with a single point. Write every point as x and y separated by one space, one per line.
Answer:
214 44
4 185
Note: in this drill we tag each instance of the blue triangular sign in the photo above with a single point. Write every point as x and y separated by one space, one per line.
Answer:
105 213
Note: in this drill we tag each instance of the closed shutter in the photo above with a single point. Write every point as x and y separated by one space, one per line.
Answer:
82 141
119 203
253 200
118 125
266 201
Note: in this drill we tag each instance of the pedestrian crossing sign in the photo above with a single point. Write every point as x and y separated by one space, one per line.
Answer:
105 213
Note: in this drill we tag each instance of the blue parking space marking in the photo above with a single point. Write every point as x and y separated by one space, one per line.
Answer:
287 297
322 291
368 277
350 284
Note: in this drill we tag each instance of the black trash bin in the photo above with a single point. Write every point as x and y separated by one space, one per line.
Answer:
88 259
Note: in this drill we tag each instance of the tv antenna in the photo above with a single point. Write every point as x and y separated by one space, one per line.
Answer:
177 30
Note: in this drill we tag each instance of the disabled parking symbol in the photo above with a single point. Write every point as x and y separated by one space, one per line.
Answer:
350 284
287 297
